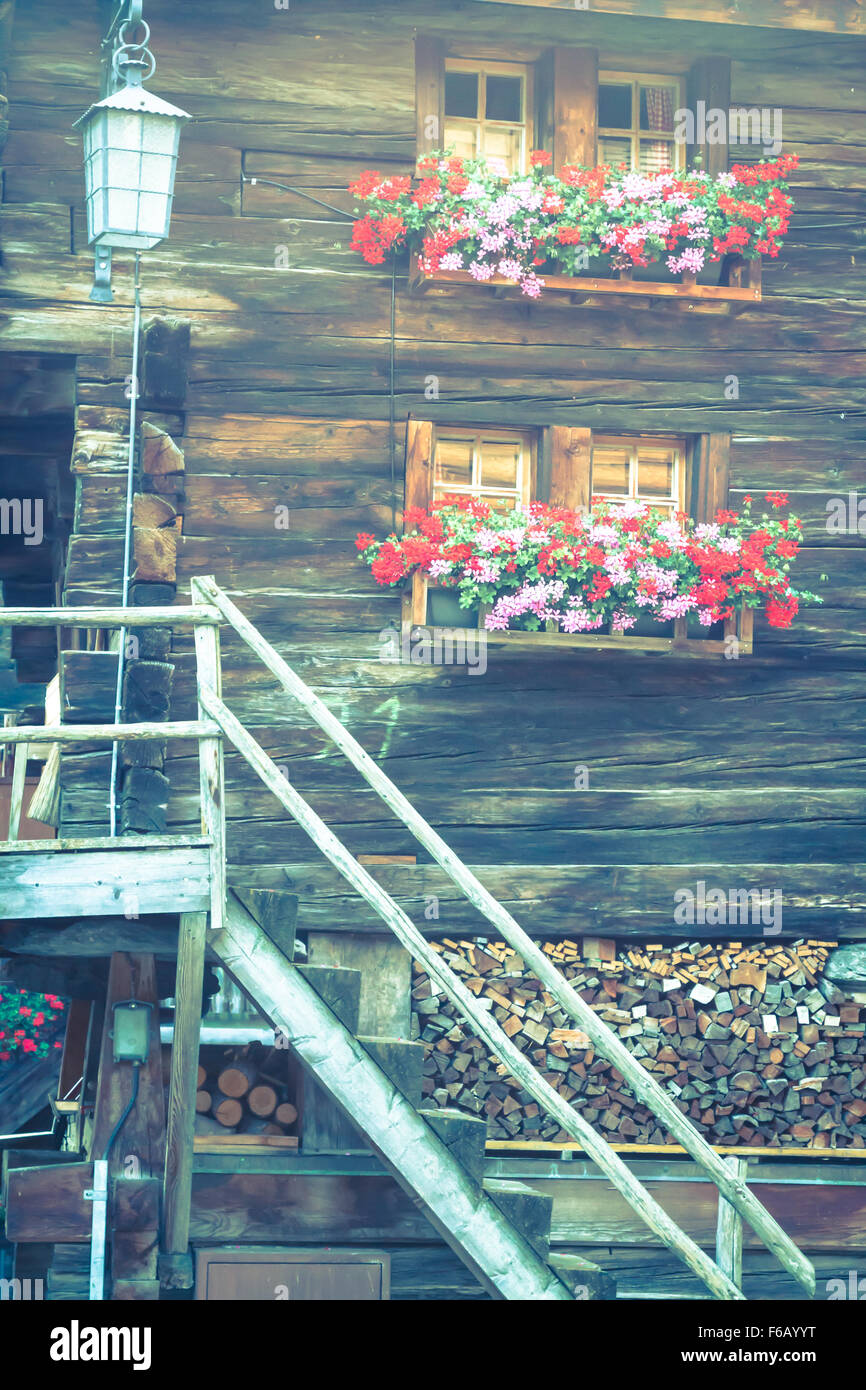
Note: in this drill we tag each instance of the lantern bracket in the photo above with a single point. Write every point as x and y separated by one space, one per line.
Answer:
101 291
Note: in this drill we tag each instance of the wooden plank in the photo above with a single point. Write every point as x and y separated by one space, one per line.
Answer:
419 464
570 467
183 1083
104 883
821 16
429 94
729 1231
607 1042
142 1136
419 1161
19 776
575 106
108 617
709 81
583 285
86 733
76 1042
483 1024
211 771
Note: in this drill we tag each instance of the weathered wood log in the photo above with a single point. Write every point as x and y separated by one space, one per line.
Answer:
262 1101
238 1079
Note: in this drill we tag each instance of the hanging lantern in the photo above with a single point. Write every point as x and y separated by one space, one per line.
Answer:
130 155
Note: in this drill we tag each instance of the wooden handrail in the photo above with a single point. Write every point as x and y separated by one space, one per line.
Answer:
88 733
194 614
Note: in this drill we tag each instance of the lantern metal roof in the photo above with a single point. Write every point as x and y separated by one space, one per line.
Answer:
135 98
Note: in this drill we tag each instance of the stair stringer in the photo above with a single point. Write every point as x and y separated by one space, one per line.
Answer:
471 1224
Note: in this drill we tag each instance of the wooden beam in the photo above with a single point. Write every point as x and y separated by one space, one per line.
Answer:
709 82
210 764
86 733
575 106
177 1186
19 777
822 16
429 94
142 1136
608 1044
162 616
42 882
729 1230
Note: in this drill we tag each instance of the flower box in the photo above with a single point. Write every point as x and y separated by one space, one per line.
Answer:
684 236
419 612
739 283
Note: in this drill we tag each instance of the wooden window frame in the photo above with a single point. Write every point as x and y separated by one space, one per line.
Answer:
528 441
490 68
635 134
679 443
564 472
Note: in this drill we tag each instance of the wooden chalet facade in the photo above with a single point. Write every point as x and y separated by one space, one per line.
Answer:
290 396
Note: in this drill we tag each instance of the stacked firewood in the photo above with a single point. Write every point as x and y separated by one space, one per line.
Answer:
244 1091
755 1045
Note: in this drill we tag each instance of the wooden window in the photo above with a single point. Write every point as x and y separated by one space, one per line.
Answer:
567 466
493 464
646 469
487 111
636 120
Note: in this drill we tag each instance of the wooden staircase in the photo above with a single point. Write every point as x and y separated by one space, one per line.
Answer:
501 1230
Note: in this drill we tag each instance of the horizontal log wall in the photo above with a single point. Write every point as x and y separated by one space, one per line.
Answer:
751 769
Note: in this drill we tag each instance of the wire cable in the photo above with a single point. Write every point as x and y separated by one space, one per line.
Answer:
136 1071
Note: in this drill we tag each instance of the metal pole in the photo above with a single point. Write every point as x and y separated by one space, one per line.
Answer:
127 541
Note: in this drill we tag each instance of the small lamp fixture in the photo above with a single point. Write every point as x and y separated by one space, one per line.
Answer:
131 1032
130 154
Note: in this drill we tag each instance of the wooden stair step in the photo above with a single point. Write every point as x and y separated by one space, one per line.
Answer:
528 1211
401 1061
339 987
585 1279
465 1135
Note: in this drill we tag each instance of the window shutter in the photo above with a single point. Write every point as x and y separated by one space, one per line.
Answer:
709 82
567 466
567 104
419 464
429 94
710 475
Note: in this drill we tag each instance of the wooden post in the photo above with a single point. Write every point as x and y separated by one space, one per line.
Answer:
210 761
608 1044
177 1187
729 1230
19 774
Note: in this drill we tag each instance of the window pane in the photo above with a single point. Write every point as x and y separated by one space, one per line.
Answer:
502 144
655 472
657 107
614 106
610 471
503 502
500 463
656 155
454 461
504 98
461 138
461 94
614 151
